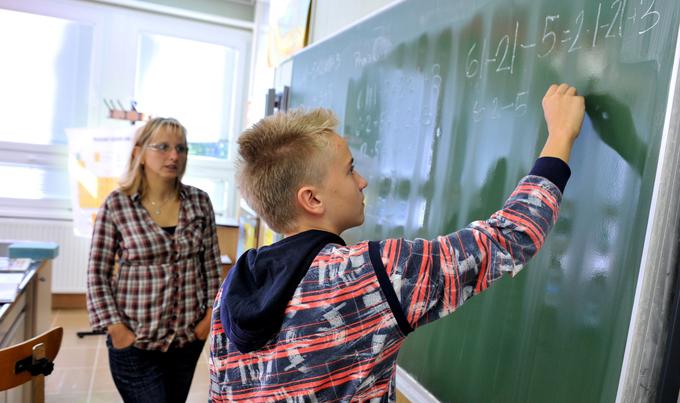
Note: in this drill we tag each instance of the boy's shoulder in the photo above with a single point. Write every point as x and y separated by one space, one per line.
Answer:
336 249
349 257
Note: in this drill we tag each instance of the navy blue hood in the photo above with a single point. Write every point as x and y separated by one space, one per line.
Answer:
262 283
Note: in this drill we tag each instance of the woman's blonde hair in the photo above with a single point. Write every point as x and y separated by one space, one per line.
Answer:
279 154
133 180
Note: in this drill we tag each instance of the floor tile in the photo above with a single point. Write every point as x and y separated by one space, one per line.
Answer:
197 397
75 357
102 357
67 398
70 338
72 318
201 375
106 397
68 381
103 382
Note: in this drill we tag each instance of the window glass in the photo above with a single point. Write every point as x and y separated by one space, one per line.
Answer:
45 82
192 81
216 189
43 183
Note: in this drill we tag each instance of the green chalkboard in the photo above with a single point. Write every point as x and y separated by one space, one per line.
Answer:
440 101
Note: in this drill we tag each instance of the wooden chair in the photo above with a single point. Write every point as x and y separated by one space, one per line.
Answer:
30 360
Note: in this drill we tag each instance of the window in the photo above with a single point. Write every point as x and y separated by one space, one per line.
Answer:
172 71
66 58
45 82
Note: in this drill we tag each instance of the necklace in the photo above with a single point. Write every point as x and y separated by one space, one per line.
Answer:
158 205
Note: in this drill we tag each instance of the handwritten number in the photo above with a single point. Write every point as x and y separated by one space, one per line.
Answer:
579 21
494 110
618 15
549 34
520 108
376 147
514 47
652 13
597 24
471 66
477 110
505 39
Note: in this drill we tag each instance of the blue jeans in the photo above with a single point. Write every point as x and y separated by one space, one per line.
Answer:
148 376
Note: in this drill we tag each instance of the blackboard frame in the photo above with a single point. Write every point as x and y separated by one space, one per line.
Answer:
651 319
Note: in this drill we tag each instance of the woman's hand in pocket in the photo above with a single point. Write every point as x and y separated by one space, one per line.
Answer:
202 328
121 336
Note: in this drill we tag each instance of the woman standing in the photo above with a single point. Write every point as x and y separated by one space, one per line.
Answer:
156 303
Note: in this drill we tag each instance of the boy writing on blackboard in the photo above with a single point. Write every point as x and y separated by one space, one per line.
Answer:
310 318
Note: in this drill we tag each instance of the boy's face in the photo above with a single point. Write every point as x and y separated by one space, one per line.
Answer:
344 186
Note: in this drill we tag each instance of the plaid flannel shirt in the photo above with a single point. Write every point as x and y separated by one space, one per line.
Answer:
163 285
353 309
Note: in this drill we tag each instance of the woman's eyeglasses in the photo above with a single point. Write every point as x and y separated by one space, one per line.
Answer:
165 148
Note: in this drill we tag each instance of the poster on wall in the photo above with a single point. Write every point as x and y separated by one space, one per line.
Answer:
288 29
97 158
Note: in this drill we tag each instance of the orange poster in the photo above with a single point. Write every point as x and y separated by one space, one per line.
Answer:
288 29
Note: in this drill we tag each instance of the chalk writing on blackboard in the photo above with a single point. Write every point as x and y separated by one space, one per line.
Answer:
609 23
380 49
517 106
324 66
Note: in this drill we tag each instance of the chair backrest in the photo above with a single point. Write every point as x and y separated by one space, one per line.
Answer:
22 362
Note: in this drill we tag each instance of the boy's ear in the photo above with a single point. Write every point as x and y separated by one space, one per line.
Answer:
309 200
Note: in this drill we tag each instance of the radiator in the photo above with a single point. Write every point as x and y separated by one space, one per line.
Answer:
70 267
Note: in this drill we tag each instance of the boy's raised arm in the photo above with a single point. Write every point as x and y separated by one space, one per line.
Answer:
433 278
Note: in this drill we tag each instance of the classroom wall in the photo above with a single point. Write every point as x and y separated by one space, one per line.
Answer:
331 16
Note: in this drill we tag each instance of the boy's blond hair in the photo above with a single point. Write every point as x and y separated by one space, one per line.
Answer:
133 180
278 155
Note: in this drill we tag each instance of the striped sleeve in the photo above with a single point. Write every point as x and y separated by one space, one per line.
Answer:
432 278
101 306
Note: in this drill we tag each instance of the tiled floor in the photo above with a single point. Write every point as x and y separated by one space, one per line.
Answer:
81 370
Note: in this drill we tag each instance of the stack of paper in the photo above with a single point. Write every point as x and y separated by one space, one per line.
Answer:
14 265
9 283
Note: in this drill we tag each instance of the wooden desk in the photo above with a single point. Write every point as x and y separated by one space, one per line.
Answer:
26 316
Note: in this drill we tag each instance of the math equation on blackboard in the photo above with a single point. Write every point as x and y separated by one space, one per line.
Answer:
500 56
587 29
